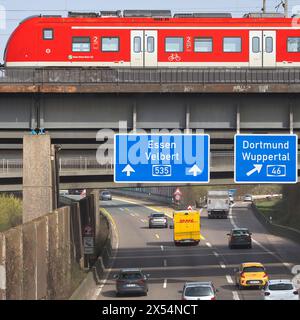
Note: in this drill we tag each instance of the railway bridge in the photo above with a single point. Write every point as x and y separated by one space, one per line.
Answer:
81 108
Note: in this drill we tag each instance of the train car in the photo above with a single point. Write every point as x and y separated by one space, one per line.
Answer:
154 39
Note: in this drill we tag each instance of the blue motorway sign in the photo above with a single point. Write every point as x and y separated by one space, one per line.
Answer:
266 158
161 158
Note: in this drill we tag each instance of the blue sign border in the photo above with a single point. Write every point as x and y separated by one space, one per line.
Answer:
266 182
163 182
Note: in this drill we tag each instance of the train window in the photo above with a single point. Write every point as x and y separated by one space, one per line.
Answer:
137 44
81 44
255 44
203 44
150 44
232 44
110 44
174 44
293 44
48 34
269 44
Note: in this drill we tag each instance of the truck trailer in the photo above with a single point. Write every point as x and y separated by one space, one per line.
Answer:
218 204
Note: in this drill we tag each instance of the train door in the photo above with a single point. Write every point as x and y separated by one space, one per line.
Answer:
137 48
269 48
150 48
255 49
143 48
262 48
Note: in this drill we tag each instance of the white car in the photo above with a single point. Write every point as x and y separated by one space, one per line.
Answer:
248 198
199 291
280 290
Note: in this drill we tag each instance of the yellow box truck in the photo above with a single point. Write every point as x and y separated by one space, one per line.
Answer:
186 227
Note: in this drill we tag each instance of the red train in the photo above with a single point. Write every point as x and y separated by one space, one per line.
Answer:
154 39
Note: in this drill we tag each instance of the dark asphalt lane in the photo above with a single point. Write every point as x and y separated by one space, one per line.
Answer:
170 267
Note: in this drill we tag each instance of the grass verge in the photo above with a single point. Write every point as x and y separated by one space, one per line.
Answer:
10 212
276 209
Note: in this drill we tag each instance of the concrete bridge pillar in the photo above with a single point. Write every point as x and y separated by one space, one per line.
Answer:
39 177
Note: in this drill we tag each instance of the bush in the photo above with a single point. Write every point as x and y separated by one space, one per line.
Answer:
10 212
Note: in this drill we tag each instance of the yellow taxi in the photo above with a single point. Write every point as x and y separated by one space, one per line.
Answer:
251 274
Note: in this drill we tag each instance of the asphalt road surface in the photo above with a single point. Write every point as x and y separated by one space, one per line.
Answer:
170 267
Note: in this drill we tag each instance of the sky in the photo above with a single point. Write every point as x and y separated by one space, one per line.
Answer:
14 11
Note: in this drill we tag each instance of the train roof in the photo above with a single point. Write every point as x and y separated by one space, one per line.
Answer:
118 19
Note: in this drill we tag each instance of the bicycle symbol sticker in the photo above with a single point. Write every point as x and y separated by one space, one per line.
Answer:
174 57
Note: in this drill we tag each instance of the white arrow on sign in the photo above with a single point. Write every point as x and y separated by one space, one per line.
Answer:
128 169
195 170
257 167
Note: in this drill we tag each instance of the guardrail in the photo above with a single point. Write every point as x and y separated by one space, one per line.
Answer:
149 75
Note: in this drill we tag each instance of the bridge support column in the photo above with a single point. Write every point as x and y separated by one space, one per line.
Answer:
39 176
238 119
187 118
134 117
291 119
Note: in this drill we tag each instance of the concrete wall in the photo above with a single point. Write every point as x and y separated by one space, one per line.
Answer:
38 258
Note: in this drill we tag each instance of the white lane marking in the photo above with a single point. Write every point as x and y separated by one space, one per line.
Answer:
165 262
122 209
229 279
208 244
275 255
132 214
216 253
157 236
165 284
162 248
222 265
137 215
235 295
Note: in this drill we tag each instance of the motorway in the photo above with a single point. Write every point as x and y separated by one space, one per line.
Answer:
170 267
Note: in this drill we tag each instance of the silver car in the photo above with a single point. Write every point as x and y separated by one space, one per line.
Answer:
280 290
105 195
248 198
199 291
158 219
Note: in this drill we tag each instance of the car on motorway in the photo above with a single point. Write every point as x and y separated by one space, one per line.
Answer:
280 290
105 195
247 198
239 237
158 219
199 291
251 274
131 280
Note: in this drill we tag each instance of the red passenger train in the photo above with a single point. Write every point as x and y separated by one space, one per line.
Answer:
154 39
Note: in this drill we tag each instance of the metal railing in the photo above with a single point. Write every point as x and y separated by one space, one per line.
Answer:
219 161
240 76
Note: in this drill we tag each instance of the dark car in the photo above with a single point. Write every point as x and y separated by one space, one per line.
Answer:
158 219
105 195
239 237
131 281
